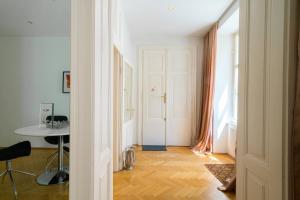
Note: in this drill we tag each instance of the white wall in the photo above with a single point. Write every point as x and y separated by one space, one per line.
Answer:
31 73
223 93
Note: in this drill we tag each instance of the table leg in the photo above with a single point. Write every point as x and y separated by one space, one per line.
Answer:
58 176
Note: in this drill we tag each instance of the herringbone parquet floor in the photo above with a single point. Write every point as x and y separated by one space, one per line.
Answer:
177 174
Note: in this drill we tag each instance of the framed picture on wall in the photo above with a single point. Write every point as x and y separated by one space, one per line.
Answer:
66 87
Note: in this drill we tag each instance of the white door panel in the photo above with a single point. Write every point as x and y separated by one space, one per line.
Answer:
179 97
167 71
260 122
154 88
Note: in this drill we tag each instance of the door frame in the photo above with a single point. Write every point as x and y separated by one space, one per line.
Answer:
292 25
88 70
140 87
82 147
117 111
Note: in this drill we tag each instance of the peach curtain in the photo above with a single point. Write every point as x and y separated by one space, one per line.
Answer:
296 133
208 83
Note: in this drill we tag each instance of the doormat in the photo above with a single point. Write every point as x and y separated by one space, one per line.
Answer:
223 172
154 148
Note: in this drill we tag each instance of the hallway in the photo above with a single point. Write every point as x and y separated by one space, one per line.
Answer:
176 174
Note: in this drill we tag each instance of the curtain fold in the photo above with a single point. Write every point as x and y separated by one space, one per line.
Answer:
208 83
296 132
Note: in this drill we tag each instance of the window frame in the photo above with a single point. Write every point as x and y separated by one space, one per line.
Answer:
235 77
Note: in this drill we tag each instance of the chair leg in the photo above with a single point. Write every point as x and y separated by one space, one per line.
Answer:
13 184
22 172
9 171
67 186
66 154
4 175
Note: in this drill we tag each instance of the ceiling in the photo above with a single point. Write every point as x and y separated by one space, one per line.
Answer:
172 17
35 17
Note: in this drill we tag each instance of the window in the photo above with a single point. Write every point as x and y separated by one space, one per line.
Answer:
235 77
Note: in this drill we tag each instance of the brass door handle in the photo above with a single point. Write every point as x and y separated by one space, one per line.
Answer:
164 98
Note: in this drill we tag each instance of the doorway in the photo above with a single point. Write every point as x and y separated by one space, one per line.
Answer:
261 163
35 60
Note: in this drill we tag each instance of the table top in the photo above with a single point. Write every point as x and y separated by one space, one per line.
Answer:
38 131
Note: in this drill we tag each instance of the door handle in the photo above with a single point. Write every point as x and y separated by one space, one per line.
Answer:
130 109
164 98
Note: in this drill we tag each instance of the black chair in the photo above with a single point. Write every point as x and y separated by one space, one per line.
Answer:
8 154
54 140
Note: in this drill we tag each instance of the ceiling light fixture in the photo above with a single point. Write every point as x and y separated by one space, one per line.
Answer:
171 8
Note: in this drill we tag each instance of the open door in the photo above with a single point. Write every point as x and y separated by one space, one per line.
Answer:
260 150
117 110
91 101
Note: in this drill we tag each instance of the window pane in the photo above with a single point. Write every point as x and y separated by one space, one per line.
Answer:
236 49
235 77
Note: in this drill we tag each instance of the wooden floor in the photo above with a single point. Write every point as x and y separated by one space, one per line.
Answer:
176 174
27 187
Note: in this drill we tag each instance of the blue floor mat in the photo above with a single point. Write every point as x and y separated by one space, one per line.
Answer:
154 148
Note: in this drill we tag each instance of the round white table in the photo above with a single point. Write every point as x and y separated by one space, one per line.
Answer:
61 174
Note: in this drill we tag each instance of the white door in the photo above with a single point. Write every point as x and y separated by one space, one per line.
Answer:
91 101
260 121
154 91
179 97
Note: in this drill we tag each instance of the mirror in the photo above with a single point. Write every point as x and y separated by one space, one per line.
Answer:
128 79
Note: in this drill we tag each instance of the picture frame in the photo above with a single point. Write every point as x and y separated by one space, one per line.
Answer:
66 84
46 109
